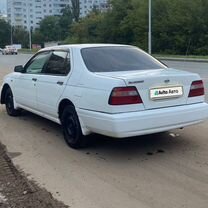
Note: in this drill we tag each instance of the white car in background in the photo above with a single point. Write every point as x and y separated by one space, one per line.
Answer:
114 90
9 50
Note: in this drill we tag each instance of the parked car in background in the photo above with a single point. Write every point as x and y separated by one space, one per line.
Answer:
9 50
114 90
1 50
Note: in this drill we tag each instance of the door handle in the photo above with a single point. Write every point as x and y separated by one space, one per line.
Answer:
34 79
60 83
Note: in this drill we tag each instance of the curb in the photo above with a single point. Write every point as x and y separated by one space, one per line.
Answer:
182 59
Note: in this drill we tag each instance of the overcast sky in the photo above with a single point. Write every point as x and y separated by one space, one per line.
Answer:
3 5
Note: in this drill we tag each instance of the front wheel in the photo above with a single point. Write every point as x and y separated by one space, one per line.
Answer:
72 129
9 102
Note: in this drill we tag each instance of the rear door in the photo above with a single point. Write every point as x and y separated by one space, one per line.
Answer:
52 81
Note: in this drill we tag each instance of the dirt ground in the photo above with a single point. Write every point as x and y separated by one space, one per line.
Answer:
16 191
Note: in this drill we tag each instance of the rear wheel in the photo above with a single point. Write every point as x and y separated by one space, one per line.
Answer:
9 102
72 129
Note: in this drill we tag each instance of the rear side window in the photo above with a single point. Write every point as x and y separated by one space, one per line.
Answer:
58 64
118 58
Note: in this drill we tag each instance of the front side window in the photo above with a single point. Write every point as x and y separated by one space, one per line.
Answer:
36 64
118 58
58 64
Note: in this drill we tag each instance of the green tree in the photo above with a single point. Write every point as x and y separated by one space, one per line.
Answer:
5 33
75 9
126 22
180 26
103 27
65 21
37 37
50 28
20 36
113 28
86 30
134 25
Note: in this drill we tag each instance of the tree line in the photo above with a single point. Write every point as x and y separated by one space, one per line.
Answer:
178 27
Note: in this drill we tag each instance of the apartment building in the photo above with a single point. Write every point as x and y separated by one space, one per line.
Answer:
2 9
29 13
86 6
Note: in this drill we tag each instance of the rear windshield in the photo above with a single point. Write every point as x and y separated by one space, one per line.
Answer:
119 58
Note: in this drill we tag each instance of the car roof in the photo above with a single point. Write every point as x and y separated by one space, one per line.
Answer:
81 46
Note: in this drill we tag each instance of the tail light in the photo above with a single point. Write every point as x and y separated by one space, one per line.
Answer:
124 96
197 89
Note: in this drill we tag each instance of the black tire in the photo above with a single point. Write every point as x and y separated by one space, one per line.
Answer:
9 102
72 129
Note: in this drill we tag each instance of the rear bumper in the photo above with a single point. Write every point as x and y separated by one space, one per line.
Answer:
144 122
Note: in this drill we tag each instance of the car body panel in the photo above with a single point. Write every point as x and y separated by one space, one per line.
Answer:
131 124
49 86
144 81
25 91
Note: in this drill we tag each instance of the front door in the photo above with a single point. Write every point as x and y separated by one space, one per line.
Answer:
25 84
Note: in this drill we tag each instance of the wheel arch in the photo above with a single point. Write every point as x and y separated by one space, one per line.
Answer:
65 102
3 92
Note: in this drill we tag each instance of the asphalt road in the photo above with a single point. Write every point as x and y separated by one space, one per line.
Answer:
167 170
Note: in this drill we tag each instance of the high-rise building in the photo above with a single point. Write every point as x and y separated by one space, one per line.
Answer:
29 13
86 6
3 8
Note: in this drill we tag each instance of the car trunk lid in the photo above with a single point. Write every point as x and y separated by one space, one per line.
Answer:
158 88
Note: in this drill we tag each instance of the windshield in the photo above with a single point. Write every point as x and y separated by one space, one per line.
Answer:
118 58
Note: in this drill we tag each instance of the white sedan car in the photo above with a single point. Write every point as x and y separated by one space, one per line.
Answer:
9 50
114 90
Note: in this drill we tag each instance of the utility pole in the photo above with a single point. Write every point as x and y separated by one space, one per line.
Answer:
11 24
29 26
30 38
11 34
150 28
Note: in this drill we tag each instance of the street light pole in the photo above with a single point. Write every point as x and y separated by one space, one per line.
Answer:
11 34
30 38
29 27
150 28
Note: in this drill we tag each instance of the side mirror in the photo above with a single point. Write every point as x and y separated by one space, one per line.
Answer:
19 68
